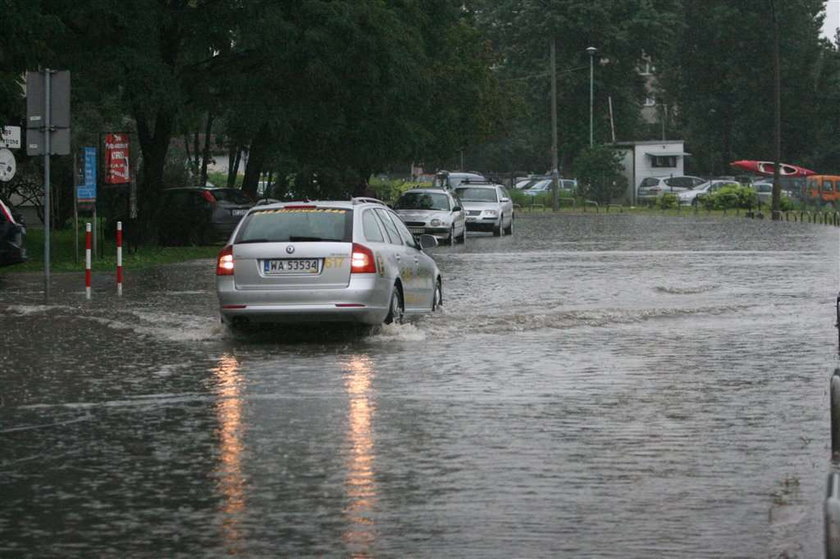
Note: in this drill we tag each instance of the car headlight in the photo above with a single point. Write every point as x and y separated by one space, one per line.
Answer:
491 213
438 223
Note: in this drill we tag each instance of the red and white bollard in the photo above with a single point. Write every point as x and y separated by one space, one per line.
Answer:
119 259
87 259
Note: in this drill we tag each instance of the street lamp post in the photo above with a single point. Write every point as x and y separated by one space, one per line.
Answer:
591 51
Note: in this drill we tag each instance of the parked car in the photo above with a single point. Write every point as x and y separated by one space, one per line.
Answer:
434 212
327 261
764 190
12 237
546 185
450 181
651 188
693 196
199 215
488 206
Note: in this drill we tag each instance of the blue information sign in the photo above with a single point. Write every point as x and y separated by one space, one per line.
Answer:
86 191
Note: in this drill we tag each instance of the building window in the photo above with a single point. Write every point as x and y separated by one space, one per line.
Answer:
663 161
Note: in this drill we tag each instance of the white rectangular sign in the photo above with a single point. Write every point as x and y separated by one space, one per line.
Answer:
10 137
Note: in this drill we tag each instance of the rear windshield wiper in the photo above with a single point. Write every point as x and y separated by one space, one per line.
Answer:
253 241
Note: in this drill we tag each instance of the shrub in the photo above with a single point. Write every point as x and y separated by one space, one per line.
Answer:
668 201
731 197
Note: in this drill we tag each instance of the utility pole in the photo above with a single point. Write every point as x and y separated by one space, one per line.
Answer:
775 206
555 186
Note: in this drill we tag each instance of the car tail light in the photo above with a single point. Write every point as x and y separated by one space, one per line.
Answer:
5 211
224 264
362 260
208 196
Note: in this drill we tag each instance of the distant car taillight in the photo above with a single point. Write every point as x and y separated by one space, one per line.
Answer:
362 260
208 196
224 264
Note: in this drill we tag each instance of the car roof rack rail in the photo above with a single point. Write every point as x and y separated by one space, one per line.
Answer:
366 200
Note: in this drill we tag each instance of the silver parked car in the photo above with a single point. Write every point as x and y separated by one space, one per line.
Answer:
652 188
434 212
344 261
488 207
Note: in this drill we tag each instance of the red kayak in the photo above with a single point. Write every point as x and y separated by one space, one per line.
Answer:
767 167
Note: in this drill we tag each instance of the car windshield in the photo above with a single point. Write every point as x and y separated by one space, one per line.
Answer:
230 195
297 224
468 194
422 201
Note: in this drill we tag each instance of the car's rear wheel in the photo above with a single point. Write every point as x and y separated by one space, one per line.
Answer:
509 228
437 299
396 310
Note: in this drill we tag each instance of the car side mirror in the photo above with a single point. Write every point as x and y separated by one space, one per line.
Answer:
456 209
505 199
428 241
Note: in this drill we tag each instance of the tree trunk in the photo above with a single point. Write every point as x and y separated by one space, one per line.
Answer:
154 146
256 161
205 155
234 155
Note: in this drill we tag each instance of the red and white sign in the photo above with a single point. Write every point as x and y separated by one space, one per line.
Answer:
117 149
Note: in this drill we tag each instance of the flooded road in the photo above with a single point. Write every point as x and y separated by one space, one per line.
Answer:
597 386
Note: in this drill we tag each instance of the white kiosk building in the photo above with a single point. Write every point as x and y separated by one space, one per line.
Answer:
664 158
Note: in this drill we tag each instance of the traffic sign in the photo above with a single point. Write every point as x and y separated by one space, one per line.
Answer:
52 88
10 137
7 165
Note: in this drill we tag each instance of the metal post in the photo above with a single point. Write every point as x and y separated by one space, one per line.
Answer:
831 510
591 51
555 184
835 416
47 210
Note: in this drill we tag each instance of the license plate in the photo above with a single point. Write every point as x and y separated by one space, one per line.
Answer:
471 219
291 266
417 229
238 212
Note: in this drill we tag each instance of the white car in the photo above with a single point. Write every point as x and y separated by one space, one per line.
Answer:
488 206
692 197
764 189
433 211
336 261
652 188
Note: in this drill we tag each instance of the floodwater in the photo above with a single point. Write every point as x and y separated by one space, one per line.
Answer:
597 386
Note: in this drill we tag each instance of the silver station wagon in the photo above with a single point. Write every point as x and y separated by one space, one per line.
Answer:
341 261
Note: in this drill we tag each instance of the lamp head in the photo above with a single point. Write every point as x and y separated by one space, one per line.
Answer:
591 51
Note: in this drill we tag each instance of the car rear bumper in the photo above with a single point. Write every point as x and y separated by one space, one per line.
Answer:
365 300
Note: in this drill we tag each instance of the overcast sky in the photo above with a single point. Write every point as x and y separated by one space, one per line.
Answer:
832 18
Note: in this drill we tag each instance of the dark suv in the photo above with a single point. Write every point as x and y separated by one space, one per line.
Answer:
200 215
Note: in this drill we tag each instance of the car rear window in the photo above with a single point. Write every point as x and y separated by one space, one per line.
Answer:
468 194
422 201
230 195
297 225
650 181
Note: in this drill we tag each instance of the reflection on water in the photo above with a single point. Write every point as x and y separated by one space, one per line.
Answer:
231 482
360 485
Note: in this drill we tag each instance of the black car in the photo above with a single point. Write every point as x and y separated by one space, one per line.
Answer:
200 215
12 235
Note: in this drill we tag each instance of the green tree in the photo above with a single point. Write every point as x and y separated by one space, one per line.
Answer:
621 31
599 174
